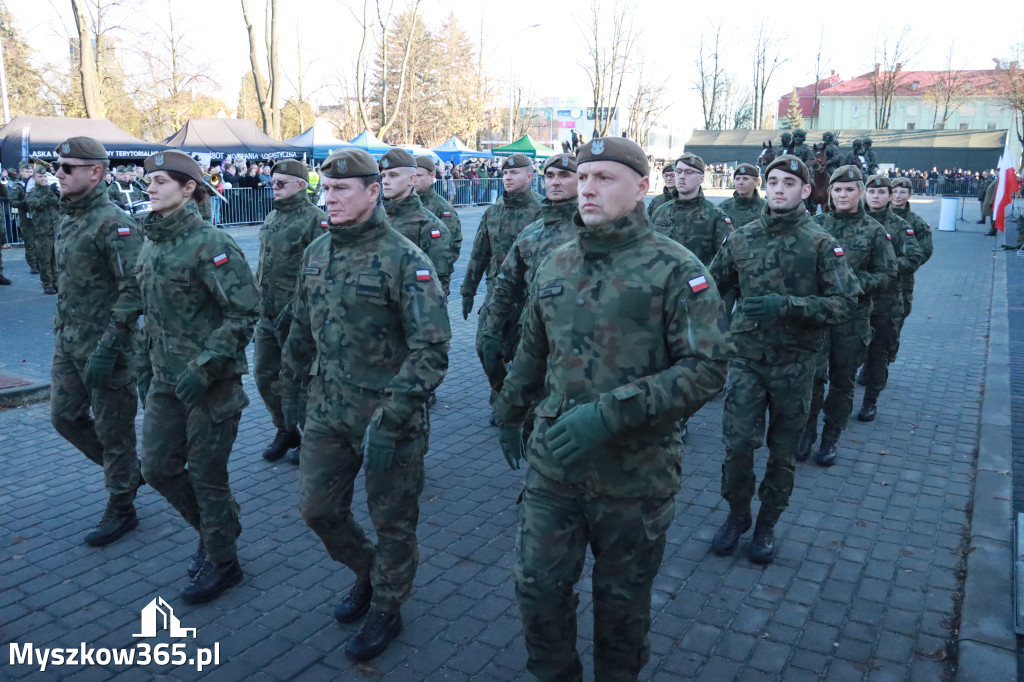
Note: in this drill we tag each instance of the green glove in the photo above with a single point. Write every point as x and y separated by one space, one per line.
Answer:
763 308
511 439
576 432
378 450
191 387
490 357
291 409
143 381
100 367
283 324
467 306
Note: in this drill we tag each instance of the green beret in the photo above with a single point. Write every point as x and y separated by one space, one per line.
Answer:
349 163
790 164
397 158
82 148
878 181
691 160
747 169
903 182
566 162
121 169
619 149
669 168
425 162
517 161
846 174
292 167
24 164
40 168
176 161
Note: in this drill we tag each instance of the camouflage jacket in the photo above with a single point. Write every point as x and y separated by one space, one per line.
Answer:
922 231
787 254
742 210
16 192
370 328
867 251
199 297
439 206
626 318
500 225
833 157
284 235
804 153
425 230
508 291
668 194
695 223
96 249
124 195
909 257
44 205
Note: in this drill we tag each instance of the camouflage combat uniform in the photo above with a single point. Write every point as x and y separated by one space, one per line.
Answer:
18 194
923 234
785 254
869 254
414 222
43 201
370 328
800 149
833 156
668 194
887 313
201 303
626 318
695 223
742 210
439 206
123 195
97 248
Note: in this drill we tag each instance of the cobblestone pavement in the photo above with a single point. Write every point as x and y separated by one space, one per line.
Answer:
863 586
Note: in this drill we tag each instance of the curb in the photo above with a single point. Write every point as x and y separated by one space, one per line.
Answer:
987 641
24 395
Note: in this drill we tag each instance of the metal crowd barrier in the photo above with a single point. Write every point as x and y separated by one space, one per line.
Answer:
478 191
12 231
244 206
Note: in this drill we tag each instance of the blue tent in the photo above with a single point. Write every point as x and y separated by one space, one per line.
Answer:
455 151
318 141
368 141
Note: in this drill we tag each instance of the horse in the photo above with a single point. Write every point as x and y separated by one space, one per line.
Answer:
766 156
819 184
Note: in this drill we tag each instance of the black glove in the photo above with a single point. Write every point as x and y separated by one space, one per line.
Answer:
467 306
291 409
191 386
511 439
378 450
490 356
763 308
100 367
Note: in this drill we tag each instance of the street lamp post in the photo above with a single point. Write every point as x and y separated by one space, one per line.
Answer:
511 65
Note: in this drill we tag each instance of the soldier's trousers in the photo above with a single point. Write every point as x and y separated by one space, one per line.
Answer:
267 366
107 436
329 463
908 301
627 538
785 392
46 259
881 352
200 435
846 346
28 238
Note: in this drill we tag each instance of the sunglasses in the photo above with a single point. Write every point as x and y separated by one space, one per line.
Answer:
69 168
281 184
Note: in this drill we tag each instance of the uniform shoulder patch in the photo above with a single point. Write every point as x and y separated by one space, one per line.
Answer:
698 284
220 259
435 234
423 275
838 250
888 236
910 230
728 220
124 231
446 214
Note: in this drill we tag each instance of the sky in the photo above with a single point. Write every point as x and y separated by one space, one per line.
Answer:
546 58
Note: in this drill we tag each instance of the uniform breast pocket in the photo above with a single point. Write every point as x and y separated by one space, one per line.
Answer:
371 288
636 301
179 276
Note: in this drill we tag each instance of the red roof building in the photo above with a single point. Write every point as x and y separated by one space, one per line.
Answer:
808 105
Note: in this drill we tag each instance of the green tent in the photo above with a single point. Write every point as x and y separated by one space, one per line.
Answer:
525 145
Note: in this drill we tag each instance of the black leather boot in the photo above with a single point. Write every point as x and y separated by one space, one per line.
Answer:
115 523
728 536
826 456
211 580
283 442
867 411
198 559
375 635
761 549
806 444
356 603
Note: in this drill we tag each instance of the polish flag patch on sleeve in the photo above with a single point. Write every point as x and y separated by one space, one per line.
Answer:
698 284
447 214
124 231
838 250
323 224
728 220
910 230
888 236
423 275
435 234
220 260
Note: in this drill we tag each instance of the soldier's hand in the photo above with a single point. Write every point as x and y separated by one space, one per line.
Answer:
291 410
100 367
191 387
378 450
511 439
577 432
763 308
490 356
467 306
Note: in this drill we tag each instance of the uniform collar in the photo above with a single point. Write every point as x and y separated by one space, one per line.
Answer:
690 203
781 221
614 236
856 215
360 233
560 212
404 206
882 215
178 224
291 203
518 199
96 197
745 201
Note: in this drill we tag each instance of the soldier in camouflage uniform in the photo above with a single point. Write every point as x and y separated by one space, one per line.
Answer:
793 281
500 225
902 189
833 157
96 250
668 192
800 149
869 254
285 234
18 192
786 144
407 214
624 334
499 317
887 313
437 204
870 157
746 203
370 327
856 157
3 233
123 192
201 304
43 201
691 219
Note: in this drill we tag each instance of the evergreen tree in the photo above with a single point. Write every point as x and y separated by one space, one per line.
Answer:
794 119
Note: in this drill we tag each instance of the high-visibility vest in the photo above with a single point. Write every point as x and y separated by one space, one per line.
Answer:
314 182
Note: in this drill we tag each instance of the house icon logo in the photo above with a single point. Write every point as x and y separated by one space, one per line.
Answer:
158 611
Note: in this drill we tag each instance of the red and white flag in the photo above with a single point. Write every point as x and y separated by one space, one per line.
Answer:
1007 180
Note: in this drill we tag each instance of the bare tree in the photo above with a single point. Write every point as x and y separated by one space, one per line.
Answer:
267 92
87 68
645 105
610 42
524 112
767 56
711 81
1010 79
891 52
950 91
819 57
378 35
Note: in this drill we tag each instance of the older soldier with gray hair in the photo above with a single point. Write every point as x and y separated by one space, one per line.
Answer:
624 334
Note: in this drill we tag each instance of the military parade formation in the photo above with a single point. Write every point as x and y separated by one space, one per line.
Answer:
604 325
